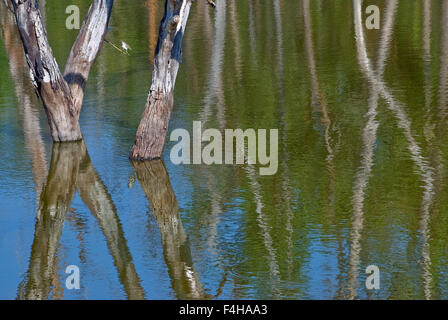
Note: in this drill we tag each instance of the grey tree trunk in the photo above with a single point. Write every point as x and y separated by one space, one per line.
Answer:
96 197
62 96
151 133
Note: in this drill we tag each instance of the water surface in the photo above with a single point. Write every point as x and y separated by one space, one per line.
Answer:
362 179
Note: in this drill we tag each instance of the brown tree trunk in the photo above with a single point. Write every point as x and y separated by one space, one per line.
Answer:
61 96
151 133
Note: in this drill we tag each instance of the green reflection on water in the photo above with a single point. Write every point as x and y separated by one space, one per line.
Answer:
361 178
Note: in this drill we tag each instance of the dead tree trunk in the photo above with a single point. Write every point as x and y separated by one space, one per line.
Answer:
61 95
151 133
55 201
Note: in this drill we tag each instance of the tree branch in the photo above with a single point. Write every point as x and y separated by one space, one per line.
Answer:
62 96
86 48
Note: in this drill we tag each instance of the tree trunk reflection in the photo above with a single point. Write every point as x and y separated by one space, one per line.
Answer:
71 168
54 203
155 182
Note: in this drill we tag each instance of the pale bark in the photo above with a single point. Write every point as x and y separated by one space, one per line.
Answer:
274 268
369 140
86 48
26 99
424 170
215 92
215 95
61 95
151 133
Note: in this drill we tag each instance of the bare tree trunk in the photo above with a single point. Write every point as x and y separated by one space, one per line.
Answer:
26 100
151 133
86 48
62 98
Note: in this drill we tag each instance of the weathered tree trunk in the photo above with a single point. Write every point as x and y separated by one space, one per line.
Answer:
62 98
71 169
86 48
151 133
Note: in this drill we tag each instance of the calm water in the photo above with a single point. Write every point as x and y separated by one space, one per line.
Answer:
362 179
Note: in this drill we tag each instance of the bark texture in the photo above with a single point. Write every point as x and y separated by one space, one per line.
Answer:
54 204
151 133
61 95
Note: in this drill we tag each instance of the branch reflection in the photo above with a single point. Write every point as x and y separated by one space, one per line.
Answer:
71 168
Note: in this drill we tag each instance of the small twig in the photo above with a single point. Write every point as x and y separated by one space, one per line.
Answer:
121 51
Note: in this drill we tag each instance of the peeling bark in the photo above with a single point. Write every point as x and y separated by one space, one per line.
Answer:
61 95
151 133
